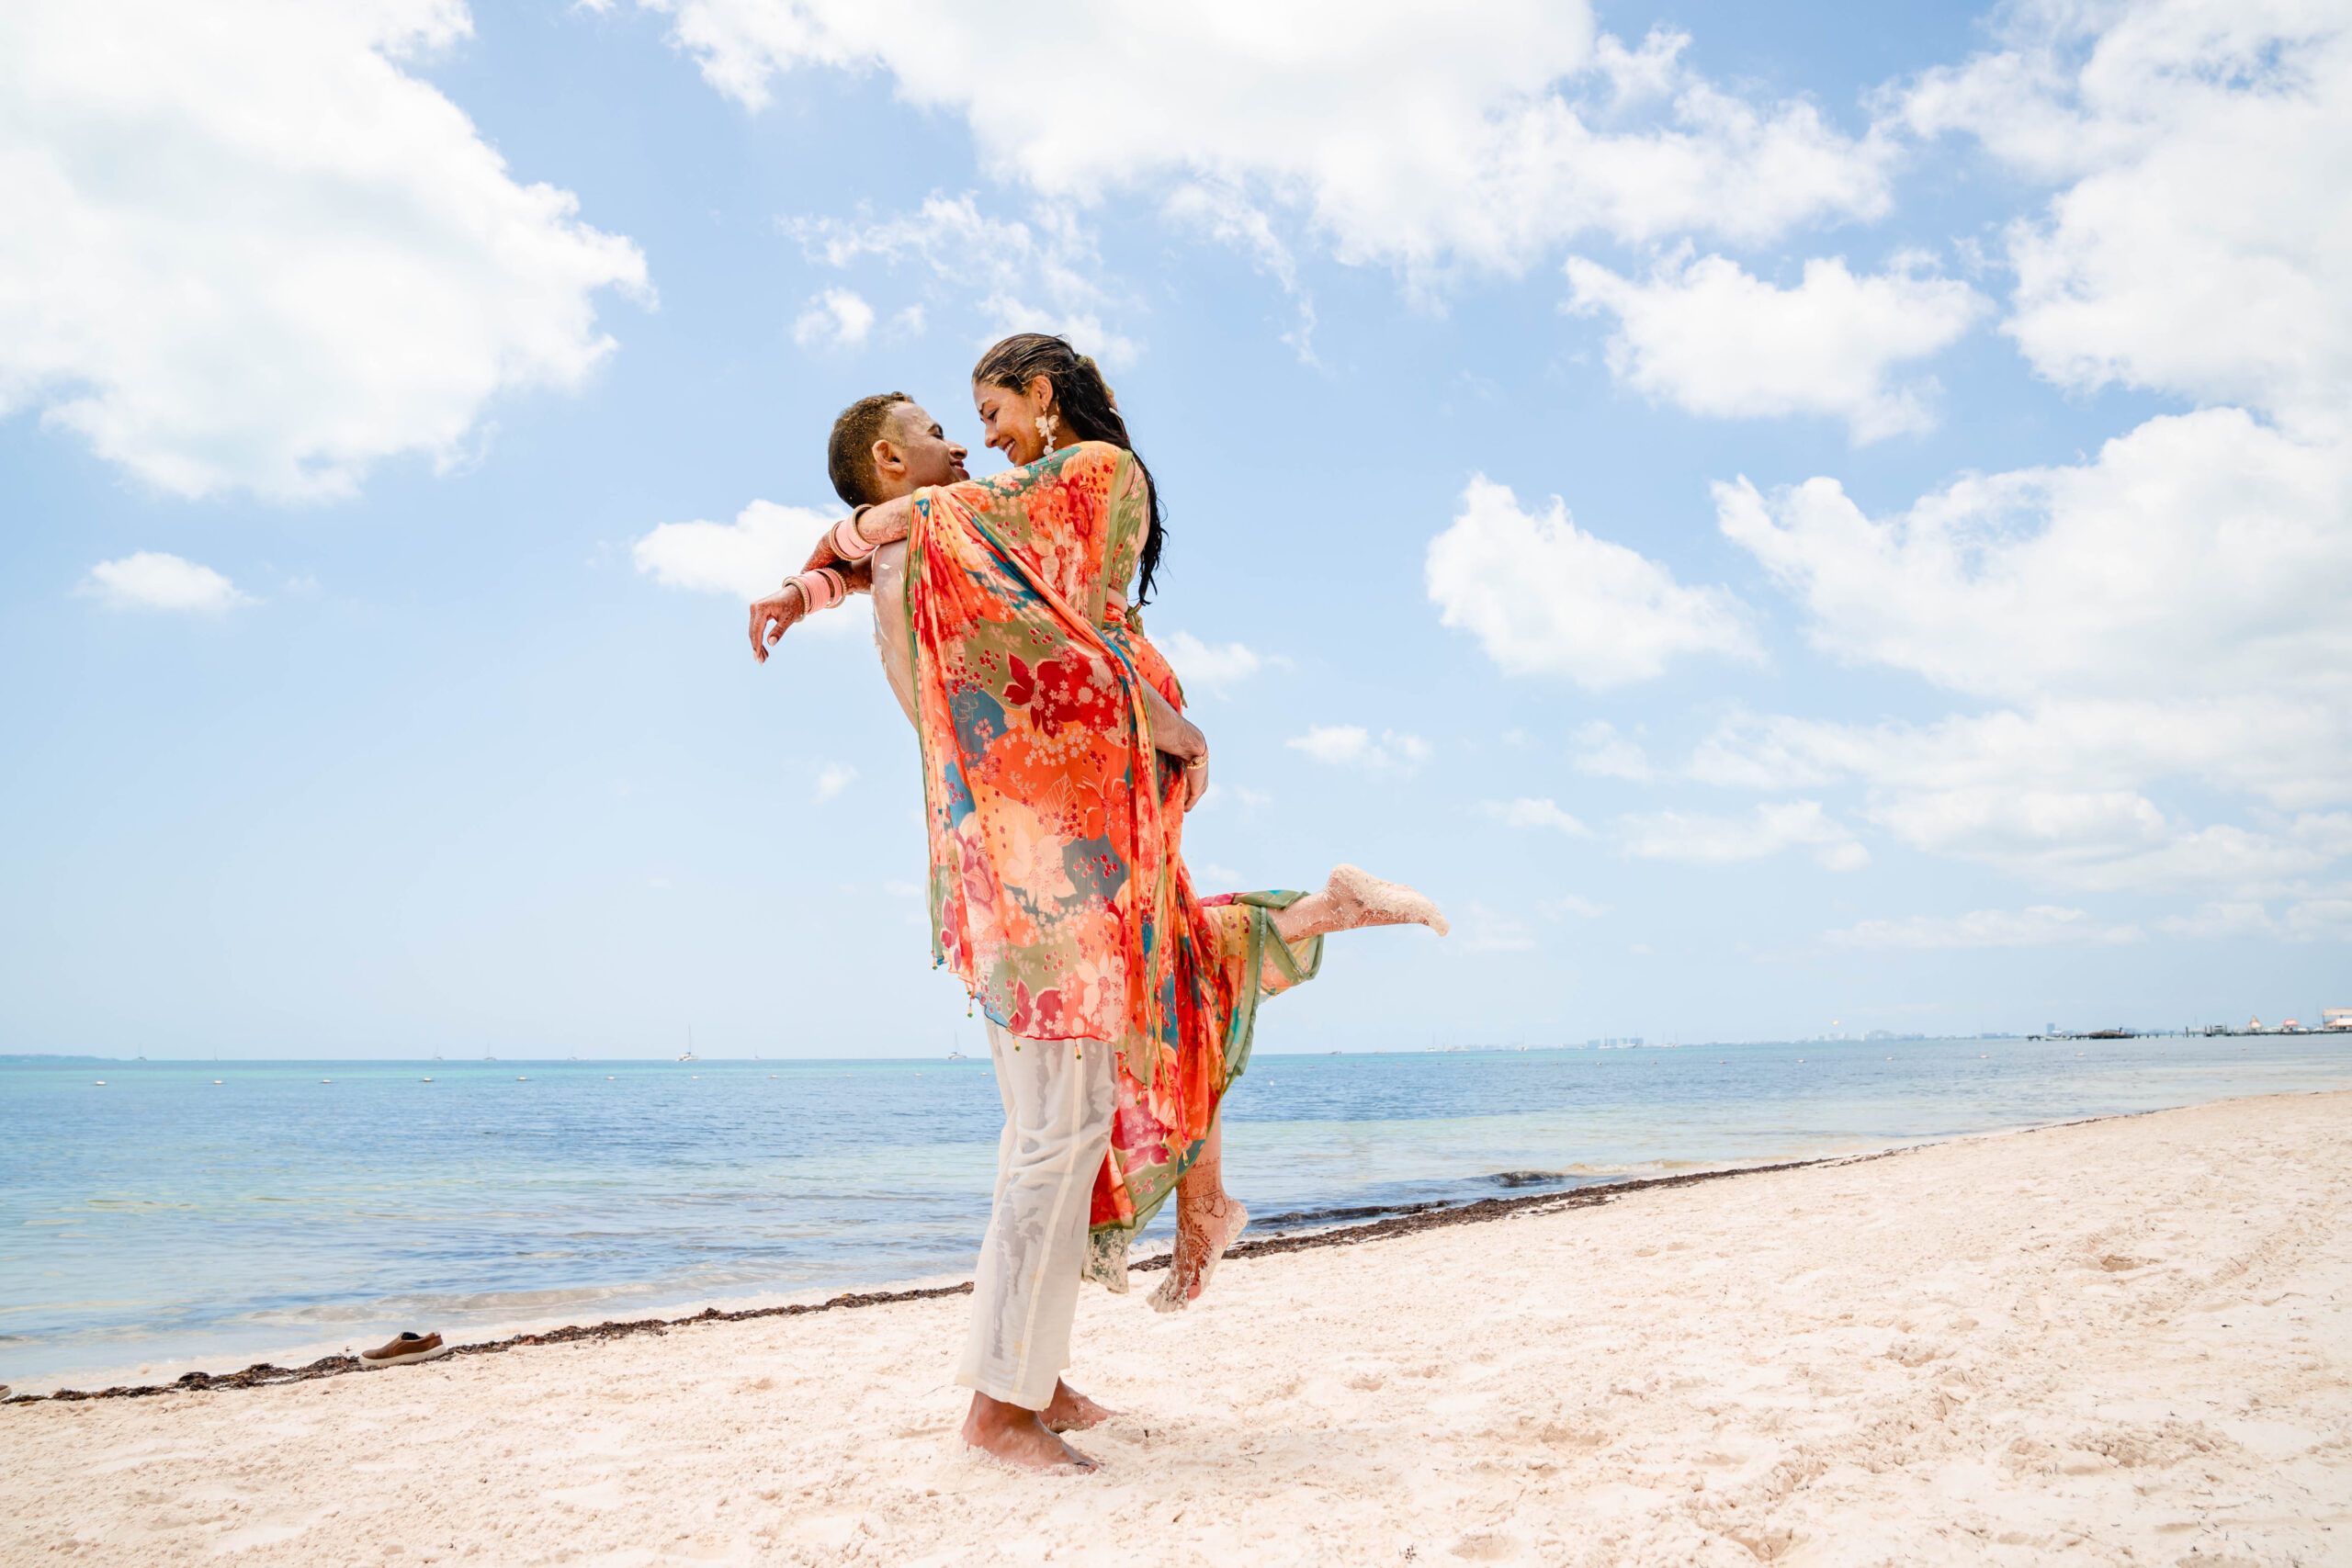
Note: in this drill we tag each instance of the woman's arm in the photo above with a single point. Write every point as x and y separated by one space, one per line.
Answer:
875 525
787 606
774 616
1179 737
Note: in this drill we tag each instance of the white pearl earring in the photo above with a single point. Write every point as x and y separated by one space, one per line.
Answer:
1046 424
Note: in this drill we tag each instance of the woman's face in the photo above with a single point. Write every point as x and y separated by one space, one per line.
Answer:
1009 418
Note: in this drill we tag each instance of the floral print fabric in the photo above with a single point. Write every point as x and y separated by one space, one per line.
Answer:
1058 891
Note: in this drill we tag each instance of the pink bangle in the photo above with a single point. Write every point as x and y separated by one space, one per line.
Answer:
848 543
822 588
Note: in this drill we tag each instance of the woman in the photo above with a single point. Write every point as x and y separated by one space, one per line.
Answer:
1035 395
1058 891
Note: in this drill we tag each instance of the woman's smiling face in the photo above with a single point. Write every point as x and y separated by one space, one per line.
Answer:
1009 418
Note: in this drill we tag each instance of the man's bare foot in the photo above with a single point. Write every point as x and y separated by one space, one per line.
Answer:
1070 1411
1202 1233
1013 1436
1353 898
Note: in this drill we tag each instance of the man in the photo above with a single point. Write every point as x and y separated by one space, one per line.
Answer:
1058 1103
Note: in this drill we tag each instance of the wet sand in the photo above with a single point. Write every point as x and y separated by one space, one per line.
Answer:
2122 1341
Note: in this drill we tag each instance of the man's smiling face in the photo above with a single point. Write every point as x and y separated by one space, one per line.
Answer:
925 456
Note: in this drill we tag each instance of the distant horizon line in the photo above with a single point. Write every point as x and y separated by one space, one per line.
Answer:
1608 1043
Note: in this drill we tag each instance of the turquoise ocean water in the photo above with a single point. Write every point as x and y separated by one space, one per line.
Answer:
213 1214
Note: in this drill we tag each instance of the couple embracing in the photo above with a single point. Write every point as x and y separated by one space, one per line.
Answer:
1057 766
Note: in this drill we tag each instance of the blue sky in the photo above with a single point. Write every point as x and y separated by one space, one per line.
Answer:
1782 525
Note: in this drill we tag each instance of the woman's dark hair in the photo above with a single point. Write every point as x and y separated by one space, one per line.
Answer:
1082 401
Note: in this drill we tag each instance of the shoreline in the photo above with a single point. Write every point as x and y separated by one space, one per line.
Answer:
304 1264
1397 1221
1412 1219
2116 1340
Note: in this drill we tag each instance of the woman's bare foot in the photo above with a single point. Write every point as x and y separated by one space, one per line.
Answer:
1204 1231
1070 1411
1355 898
1013 1436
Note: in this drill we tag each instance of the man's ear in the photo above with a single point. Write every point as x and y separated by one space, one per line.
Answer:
888 459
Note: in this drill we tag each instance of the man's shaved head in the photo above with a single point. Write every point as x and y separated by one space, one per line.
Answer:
849 456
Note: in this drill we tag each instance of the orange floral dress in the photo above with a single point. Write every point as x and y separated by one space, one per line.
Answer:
1058 891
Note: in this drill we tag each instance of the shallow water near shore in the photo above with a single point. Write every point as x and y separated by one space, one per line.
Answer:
163 1218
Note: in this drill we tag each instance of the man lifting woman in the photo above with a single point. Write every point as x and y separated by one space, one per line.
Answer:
1057 766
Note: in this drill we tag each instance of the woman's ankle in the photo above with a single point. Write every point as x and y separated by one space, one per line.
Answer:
1315 915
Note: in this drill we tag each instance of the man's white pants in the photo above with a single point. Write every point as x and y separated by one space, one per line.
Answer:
1059 1095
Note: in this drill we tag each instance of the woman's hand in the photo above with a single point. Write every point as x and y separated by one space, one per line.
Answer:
1196 781
774 616
1181 739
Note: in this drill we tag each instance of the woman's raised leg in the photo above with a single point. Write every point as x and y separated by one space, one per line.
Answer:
1353 898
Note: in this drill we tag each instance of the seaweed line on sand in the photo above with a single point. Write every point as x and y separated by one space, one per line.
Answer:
1415 1218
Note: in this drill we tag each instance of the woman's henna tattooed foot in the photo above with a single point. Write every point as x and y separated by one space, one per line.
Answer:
1203 1232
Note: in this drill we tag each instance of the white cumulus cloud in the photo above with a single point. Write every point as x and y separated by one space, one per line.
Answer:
1574 904
1207 665
2043 925
2056 791
1602 753
748 558
1482 135
833 778
1530 813
2326 918
2166 612
1250 801
1709 338
1482 929
2204 150
1351 745
1702 840
2200 553
151 579
1544 597
247 249
1038 276
834 318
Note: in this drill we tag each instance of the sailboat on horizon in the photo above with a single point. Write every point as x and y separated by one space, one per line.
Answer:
690 1055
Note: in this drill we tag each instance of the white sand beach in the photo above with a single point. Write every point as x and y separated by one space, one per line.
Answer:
2121 1341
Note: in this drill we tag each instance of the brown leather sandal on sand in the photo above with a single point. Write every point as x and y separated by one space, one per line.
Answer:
407 1347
